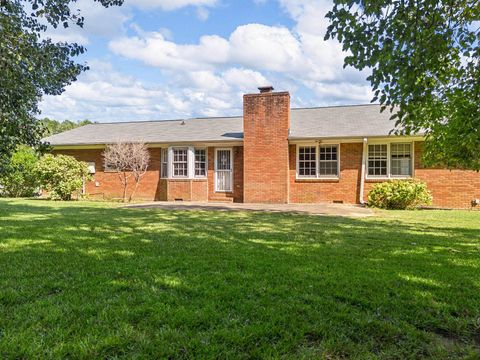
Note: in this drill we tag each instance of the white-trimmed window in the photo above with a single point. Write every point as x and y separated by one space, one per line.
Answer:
200 162
390 160
328 161
91 167
377 160
164 162
401 159
318 161
307 161
180 162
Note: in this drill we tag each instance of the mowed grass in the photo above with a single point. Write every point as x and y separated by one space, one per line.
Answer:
93 280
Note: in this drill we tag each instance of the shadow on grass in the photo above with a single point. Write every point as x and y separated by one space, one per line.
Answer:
98 282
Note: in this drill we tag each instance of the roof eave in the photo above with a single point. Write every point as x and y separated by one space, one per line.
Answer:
149 144
357 137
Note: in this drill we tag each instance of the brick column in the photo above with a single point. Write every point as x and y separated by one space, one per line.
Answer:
266 123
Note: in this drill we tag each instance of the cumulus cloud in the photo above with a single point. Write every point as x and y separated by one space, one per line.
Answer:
108 95
169 5
111 22
300 55
98 21
208 77
154 49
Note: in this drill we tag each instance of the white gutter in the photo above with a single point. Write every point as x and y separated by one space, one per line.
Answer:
364 164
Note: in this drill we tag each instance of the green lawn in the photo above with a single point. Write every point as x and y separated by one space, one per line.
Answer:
92 280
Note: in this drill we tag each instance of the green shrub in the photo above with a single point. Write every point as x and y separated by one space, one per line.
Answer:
18 178
399 194
61 175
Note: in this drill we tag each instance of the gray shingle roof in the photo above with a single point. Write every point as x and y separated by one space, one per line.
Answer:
326 122
167 131
340 121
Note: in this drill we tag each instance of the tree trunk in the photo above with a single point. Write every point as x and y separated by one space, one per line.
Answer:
125 185
134 190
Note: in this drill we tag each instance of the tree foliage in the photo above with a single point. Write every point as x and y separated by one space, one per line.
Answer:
424 63
128 159
61 176
54 126
31 65
19 180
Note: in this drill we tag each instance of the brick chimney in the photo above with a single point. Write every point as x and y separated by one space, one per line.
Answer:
266 122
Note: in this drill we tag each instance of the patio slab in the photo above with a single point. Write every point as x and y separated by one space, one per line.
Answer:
356 211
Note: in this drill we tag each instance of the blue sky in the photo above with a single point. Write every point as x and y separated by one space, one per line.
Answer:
163 59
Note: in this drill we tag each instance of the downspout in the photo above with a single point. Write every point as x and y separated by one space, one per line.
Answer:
364 162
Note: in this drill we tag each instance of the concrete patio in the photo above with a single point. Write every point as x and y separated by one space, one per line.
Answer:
355 211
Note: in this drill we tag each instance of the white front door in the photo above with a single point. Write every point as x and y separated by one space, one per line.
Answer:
223 170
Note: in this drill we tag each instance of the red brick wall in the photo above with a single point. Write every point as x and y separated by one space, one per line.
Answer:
345 189
109 185
152 187
452 189
449 188
238 174
187 190
266 121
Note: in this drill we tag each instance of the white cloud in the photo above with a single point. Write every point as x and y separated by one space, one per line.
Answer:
111 22
208 77
154 49
98 21
298 55
107 95
265 47
169 5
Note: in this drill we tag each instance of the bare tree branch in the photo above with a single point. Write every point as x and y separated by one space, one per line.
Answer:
128 159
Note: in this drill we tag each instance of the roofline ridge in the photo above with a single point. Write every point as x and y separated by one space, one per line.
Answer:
333 106
166 120
220 117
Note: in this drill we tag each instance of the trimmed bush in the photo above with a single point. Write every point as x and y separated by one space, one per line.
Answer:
399 194
61 175
18 178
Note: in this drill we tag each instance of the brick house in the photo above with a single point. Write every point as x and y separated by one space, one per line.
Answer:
273 154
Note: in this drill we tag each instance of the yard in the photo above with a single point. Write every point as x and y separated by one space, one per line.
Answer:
92 280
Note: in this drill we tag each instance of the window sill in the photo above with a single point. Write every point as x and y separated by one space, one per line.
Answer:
185 179
382 179
320 179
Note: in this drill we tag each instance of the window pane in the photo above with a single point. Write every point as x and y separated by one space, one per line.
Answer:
328 165
180 162
164 163
200 162
307 162
224 160
377 160
401 159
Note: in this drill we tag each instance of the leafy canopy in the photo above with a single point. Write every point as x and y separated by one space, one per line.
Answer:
61 175
31 65
52 127
424 58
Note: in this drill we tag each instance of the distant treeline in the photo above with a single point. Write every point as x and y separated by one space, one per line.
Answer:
54 126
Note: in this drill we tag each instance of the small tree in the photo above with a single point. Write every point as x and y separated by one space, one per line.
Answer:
61 175
18 179
128 160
